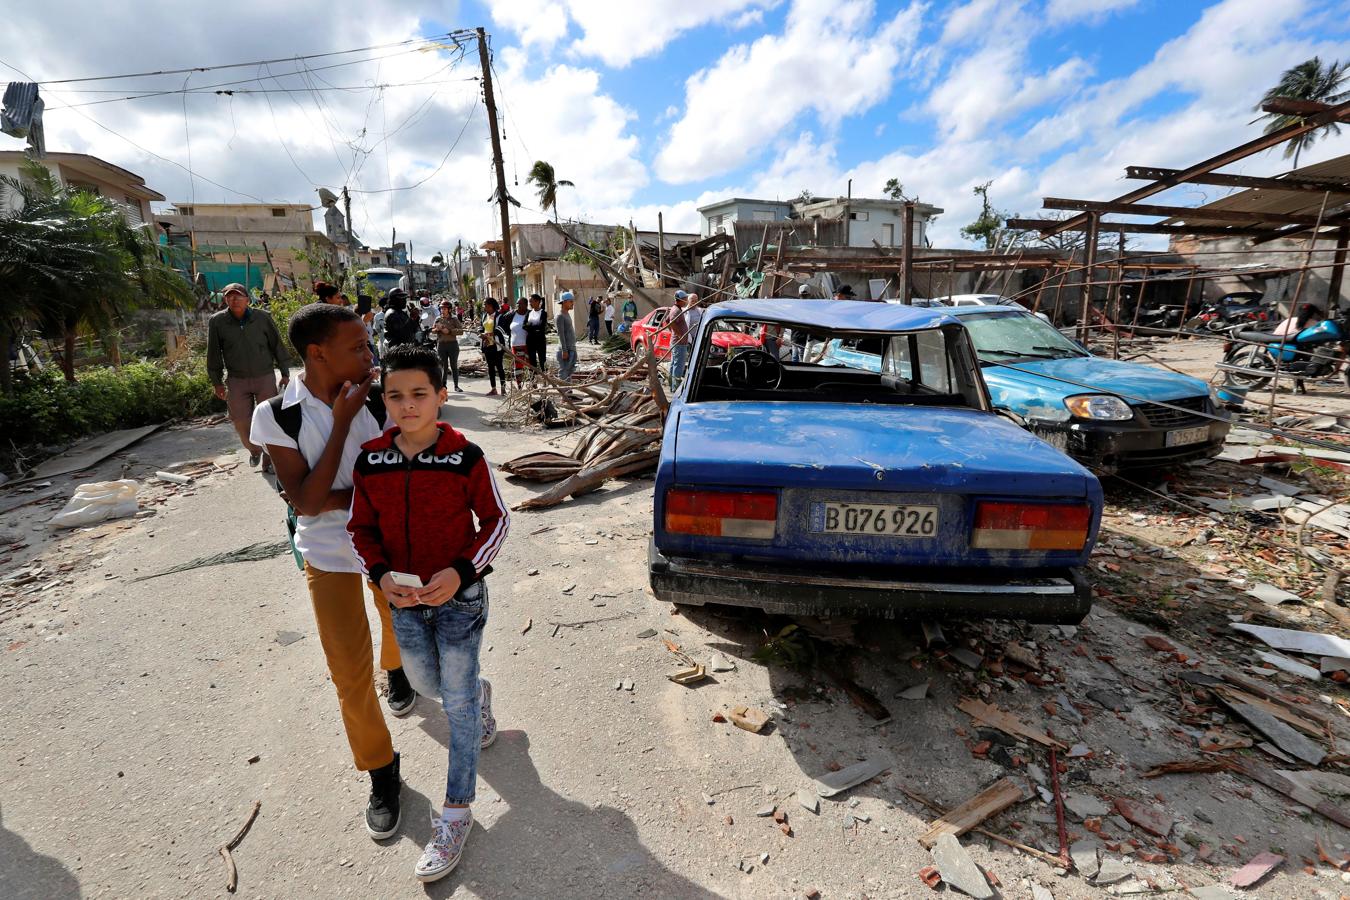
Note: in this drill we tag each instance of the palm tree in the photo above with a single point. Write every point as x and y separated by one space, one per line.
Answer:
546 183
1309 80
69 260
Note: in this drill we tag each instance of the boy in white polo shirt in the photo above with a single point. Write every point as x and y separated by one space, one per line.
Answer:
313 433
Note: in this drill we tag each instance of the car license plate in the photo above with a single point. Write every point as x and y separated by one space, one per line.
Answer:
1182 436
869 518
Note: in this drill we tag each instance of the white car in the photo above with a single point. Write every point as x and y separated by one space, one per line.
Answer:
986 300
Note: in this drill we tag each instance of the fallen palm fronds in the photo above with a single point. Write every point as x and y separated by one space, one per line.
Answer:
621 414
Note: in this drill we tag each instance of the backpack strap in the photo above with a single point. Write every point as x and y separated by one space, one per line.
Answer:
287 417
375 405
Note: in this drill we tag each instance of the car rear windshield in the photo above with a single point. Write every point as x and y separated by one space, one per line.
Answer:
999 337
745 359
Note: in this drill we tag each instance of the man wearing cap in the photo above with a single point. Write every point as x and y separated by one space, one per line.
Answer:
567 336
684 321
244 342
844 292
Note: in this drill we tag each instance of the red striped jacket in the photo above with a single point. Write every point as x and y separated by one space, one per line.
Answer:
417 515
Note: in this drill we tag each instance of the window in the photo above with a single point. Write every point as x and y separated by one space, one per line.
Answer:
278 213
762 215
84 186
888 235
715 221
185 211
859 216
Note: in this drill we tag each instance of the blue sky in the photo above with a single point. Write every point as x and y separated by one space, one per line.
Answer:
669 104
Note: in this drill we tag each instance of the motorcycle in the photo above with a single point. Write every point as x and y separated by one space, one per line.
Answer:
1315 350
1232 309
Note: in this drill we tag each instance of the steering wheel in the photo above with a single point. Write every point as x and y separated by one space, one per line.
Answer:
753 369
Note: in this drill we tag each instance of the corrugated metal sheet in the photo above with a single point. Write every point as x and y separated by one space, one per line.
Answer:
1306 203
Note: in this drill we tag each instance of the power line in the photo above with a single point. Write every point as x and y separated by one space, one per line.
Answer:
233 91
452 36
465 127
144 149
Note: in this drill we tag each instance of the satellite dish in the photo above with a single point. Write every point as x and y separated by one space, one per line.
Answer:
327 197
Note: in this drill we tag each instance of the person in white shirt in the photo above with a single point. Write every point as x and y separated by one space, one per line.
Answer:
314 435
609 317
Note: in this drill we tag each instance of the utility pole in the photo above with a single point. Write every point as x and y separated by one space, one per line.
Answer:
490 102
347 207
907 254
660 250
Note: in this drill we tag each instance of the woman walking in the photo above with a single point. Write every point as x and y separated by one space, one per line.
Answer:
447 329
536 333
493 347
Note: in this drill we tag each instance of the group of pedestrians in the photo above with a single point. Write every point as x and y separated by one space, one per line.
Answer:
386 494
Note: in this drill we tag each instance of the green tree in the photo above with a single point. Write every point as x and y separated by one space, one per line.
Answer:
989 224
69 261
894 189
546 183
1309 80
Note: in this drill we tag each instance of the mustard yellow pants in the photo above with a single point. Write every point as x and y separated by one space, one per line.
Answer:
344 632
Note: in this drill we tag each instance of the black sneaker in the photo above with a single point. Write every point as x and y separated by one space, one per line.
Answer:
401 695
382 812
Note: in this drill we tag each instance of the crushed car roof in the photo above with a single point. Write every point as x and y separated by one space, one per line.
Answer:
837 315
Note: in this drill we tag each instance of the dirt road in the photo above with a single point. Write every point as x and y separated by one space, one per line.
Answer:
133 711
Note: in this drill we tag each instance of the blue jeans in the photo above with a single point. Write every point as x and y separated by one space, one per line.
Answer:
679 361
440 657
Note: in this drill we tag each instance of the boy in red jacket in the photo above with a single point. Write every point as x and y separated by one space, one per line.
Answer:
416 492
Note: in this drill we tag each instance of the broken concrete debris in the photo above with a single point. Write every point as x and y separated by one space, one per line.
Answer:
1086 807
958 869
1084 856
749 718
808 801
1259 867
1111 871
834 783
1154 821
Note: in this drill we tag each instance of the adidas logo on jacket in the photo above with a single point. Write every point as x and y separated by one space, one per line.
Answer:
417 515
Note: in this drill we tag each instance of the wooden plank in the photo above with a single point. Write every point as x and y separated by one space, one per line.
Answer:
1185 213
1232 695
989 802
1278 783
24 500
87 454
1280 734
1312 185
1006 722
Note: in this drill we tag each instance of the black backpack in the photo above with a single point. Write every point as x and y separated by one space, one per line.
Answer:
399 328
288 419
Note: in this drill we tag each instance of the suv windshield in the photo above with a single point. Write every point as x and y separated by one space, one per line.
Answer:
999 337
763 360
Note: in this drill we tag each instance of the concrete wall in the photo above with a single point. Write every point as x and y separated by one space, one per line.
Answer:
1232 252
733 212
137 210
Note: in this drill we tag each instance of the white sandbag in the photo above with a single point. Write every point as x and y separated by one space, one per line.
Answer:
96 502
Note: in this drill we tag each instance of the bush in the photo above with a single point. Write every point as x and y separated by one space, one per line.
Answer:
282 306
46 409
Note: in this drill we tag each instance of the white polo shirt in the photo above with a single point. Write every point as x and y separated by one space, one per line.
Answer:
323 539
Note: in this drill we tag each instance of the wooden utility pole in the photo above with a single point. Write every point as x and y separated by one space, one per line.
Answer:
489 101
347 207
660 250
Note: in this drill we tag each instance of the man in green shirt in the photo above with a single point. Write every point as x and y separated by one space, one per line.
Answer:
242 344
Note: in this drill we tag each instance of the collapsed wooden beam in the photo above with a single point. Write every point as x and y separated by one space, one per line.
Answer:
1188 213
1311 185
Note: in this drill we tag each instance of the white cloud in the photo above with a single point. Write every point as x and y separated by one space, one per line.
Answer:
539 23
1062 12
561 114
617 35
828 59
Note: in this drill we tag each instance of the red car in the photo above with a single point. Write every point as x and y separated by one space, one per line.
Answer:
648 329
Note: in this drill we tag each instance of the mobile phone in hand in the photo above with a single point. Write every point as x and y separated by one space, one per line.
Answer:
403 579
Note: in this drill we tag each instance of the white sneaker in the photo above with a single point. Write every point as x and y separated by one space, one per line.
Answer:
446 846
489 721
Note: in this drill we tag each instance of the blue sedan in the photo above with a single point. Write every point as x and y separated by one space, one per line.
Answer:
794 484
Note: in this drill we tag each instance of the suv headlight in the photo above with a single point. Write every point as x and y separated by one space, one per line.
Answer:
1102 407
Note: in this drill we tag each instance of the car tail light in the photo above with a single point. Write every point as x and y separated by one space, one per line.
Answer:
733 514
1031 526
